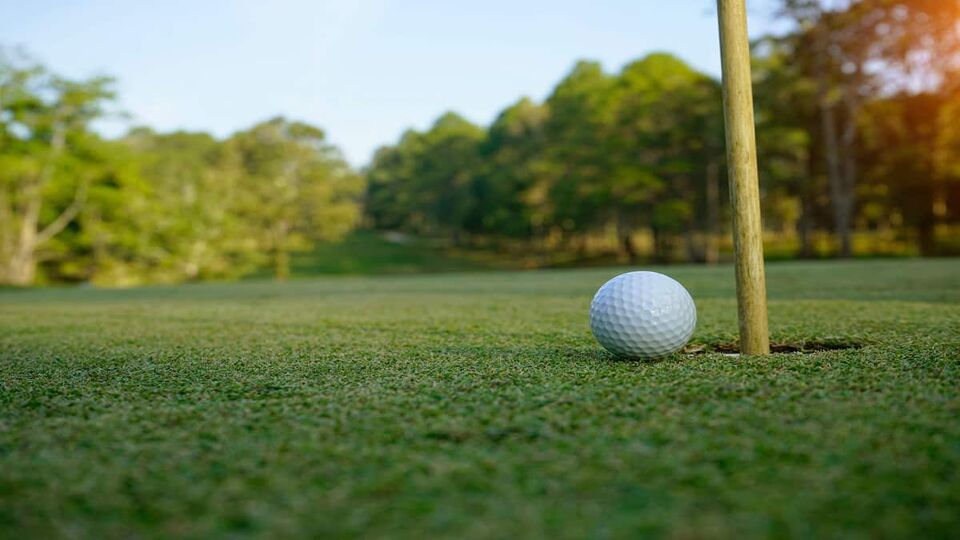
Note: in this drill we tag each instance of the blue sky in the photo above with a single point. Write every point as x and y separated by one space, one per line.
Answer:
364 70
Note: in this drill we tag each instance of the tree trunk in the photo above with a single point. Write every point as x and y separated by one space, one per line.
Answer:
840 176
281 255
696 246
6 230
582 247
660 249
850 173
628 251
711 248
806 223
805 228
21 268
840 198
926 239
281 264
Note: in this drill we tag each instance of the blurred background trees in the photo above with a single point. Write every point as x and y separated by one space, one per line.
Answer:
48 160
154 207
858 112
294 188
856 129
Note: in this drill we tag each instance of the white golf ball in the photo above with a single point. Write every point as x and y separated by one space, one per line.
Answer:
642 315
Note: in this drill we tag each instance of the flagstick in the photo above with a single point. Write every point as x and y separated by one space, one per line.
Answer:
744 183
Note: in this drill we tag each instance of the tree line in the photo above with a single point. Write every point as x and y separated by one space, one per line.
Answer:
858 127
154 207
858 109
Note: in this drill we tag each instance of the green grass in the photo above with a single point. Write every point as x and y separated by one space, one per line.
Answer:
369 252
478 406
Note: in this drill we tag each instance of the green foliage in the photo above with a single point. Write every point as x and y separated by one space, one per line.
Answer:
479 406
640 152
602 151
511 174
295 188
856 108
425 183
49 160
154 207
910 137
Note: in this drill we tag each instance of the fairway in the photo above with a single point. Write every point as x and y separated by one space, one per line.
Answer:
479 406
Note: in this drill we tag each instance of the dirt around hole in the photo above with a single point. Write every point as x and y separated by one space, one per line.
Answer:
803 347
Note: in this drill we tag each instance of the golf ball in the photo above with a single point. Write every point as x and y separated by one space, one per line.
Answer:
642 315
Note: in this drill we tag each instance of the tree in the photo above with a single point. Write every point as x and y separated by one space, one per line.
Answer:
787 136
44 123
667 147
444 175
425 184
946 201
640 149
391 203
294 188
511 155
911 156
855 50
189 211
577 155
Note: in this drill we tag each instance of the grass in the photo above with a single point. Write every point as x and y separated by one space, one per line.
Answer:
478 406
369 252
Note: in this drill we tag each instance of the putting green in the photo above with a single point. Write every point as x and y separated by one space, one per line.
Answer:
477 406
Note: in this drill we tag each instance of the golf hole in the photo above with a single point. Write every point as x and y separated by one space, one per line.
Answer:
802 347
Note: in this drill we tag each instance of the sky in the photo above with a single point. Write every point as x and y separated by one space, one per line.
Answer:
363 70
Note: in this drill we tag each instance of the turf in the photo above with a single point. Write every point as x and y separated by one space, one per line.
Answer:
368 252
478 406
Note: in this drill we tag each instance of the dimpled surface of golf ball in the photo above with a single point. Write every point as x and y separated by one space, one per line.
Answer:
642 315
